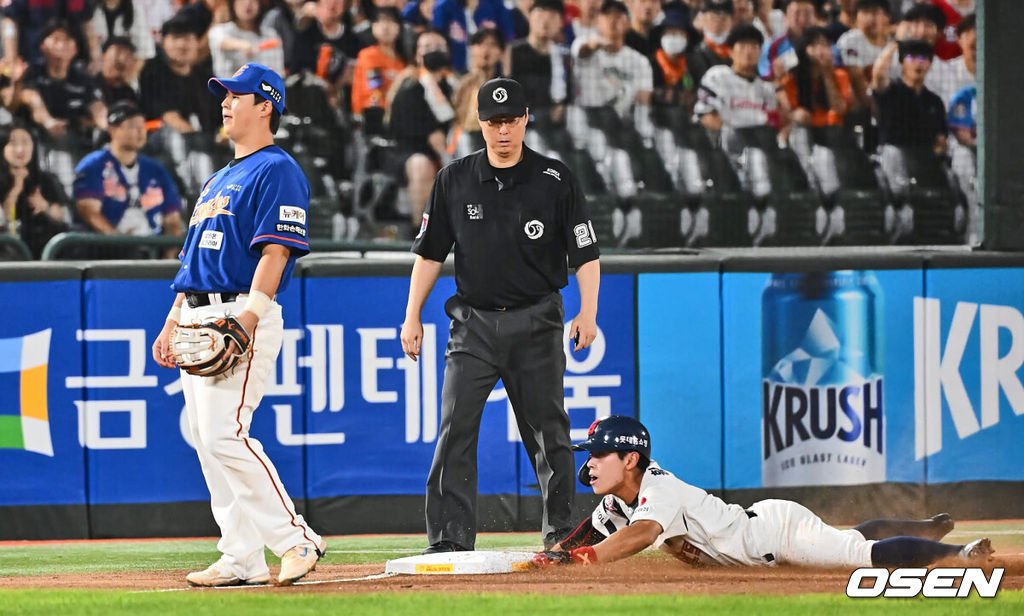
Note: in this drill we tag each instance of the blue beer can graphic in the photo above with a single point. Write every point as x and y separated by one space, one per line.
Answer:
822 379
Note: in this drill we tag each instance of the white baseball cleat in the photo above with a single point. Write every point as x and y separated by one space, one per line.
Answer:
979 550
298 561
212 576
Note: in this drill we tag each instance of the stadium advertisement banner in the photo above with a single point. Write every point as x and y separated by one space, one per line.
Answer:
819 382
41 448
969 338
373 422
132 412
680 372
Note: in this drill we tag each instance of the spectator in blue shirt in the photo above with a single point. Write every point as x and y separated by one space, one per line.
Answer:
118 190
450 20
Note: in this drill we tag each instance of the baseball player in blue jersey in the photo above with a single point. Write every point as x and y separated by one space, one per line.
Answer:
645 505
225 329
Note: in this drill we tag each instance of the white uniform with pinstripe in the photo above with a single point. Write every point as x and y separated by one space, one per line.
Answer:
249 502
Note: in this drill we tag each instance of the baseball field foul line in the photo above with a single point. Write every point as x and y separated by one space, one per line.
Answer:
372 576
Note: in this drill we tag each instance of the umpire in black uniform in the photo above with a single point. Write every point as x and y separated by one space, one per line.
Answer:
518 220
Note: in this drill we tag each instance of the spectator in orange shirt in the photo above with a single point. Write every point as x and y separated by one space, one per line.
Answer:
819 93
376 69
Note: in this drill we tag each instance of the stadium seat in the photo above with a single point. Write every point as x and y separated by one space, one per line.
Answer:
855 202
926 209
724 203
777 179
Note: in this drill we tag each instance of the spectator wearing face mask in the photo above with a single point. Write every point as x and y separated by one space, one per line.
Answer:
419 113
674 84
715 19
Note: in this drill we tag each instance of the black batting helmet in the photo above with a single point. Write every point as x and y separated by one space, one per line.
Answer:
614 433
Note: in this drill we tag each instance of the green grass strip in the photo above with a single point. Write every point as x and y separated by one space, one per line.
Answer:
218 603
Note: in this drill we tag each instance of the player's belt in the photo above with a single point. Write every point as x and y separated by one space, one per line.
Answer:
195 300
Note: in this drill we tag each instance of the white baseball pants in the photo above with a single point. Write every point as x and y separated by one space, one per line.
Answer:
249 502
795 535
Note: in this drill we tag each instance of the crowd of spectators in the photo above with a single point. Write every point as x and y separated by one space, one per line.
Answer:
106 118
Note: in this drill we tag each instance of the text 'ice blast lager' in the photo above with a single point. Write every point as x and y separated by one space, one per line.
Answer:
822 373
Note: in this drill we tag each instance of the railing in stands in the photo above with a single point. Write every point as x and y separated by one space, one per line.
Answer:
20 251
62 241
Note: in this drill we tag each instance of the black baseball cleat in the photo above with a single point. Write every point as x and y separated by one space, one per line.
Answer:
555 537
442 547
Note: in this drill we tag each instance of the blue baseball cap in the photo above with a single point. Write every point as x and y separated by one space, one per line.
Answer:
252 78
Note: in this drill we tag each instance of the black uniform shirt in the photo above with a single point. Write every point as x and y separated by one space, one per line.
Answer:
65 99
511 236
907 118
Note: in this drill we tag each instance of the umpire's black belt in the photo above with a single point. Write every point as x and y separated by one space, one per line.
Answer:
195 300
516 307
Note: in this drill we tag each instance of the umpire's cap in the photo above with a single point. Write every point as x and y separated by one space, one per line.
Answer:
252 78
501 97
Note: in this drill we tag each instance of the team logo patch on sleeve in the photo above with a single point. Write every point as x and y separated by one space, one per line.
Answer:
292 213
423 225
290 228
553 173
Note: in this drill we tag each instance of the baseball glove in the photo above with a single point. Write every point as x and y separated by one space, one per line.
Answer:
201 349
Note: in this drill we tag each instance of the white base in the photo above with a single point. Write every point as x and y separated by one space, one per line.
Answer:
460 563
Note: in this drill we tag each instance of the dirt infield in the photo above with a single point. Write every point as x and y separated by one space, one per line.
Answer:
645 575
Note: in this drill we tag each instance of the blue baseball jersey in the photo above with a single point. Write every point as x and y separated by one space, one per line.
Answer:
261 198
147 185
963 109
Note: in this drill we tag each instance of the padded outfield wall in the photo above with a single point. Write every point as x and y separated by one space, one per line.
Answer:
92 442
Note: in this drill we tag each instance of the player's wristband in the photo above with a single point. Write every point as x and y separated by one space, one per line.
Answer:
174 314
584 556
257 303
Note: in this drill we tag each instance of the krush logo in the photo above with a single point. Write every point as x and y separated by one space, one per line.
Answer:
271 91
913 581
